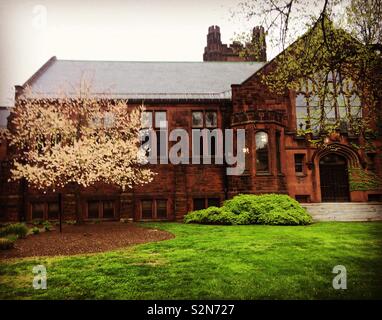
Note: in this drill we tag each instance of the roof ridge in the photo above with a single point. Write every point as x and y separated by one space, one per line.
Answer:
159 61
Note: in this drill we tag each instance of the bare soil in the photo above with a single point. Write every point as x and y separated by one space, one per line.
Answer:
85 238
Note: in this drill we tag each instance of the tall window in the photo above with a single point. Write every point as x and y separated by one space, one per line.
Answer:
340 104
209 120
262 159
299 163
156 120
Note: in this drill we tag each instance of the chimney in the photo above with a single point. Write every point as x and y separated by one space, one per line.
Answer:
259 43
214 45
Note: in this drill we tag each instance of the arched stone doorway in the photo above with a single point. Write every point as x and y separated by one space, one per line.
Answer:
334 178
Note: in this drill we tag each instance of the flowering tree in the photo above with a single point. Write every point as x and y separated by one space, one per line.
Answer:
81 140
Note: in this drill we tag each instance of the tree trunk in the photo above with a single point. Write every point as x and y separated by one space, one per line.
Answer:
60 209
23 204
78 205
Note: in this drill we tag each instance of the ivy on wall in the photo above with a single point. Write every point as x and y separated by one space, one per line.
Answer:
363 180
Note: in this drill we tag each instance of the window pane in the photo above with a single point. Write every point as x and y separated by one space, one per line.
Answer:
355 106
197 119
161 140
212 145
38 210
147 209
146 119
262 152
211 119
160 119
53 210
199 204
108 209
299 162
93 212
213 202
145 139
161 208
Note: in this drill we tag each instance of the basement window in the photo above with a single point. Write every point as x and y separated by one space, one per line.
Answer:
203 203
98 209
374 197
154 209
45 210
302 198
38 210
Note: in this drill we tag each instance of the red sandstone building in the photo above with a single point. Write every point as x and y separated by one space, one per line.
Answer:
216 93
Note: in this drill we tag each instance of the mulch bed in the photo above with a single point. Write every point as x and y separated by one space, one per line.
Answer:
87 238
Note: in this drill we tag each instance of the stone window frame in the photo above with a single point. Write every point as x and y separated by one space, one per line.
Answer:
154 208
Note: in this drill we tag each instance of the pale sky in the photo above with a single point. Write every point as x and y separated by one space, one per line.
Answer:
133 30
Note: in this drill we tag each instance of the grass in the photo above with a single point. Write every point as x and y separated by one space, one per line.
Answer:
215 262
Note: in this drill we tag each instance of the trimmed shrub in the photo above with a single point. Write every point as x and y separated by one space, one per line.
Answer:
273 209
211 215
6 243
285 217
19 229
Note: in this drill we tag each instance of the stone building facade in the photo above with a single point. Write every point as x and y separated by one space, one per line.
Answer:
192 95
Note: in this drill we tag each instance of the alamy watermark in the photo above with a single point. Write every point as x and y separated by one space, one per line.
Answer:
205 146
340 280
40 278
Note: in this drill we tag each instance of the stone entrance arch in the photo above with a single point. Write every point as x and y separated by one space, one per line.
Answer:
334 178
332 171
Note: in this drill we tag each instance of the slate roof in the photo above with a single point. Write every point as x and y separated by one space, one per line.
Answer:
142 80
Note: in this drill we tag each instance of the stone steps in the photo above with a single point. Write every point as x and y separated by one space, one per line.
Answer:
346 211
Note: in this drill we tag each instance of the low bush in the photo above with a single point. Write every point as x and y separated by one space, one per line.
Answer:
6 243
35 230
211 215
285 217
272 209
19 229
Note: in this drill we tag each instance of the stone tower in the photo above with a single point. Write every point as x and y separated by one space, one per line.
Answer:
218 51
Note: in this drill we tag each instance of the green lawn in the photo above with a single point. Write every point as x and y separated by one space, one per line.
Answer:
215 262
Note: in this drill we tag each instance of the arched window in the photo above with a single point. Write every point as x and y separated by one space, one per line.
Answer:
262 163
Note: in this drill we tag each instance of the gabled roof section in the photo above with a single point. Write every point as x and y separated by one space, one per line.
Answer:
141 80
318 24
